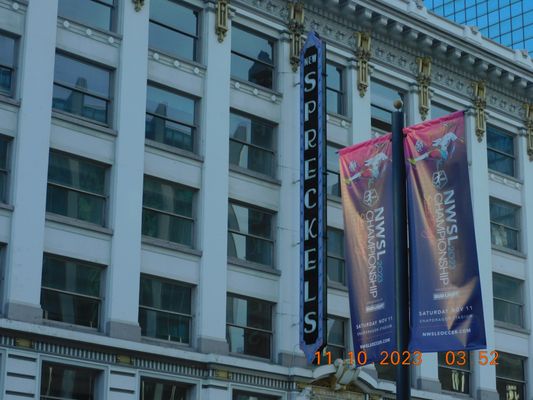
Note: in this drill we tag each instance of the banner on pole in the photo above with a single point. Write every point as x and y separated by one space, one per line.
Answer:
446 305
366 180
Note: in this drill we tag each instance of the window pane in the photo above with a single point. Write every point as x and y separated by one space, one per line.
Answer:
252 71
252 46
75 204
167 196
249 221
3 169
336 332
171 42
502 141
165 295
336 243
334 101
170 133
68 308
505 237
170 105
88 12
250 248
167 227
247 341
438 111
510 367
509 389
507 312
507 288
71 276
249 313
251 158
252 396
454 380
334 77
81 75
7 51
78 103
162 390
336 270
175 16
251 131
500 162
161 325
59 381
5 79
504 213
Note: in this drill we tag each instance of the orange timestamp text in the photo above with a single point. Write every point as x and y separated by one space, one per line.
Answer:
451 358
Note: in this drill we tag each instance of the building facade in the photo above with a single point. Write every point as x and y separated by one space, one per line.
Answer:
507 22
149 194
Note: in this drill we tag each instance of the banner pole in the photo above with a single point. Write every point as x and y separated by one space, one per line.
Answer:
403 379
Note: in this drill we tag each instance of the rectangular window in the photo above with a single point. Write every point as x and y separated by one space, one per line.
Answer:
250 234
438 111
165 309
505 224
336 271
7 64
170 118
76 188
508 300
336 340
82 89
510 377
168 211
4 168
240 395
334 89
94 13
333 178
66 382
249 326
251 144
500 151
173 29
252 57
71 291
156 389
454 371
382 99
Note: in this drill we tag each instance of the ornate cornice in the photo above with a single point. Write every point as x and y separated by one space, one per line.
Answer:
424 80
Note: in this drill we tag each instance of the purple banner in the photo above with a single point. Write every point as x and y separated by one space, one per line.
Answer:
446 305
367 203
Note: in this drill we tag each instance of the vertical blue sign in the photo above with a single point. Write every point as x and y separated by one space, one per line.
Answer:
312 197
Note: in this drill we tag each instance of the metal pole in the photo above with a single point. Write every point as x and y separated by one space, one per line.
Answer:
403 379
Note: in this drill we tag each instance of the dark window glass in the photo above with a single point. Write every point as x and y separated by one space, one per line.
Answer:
94 13
4 170
67 382
168 211
250 234
251 144
252 57
249 326
333 177
500 151
334 89
336 340
170 118
165 310
155 389
382 99
81 88
173 29
7 64
239 395
452 376
335 246
71 291
438 111
510 377
504 224
76 188
508 300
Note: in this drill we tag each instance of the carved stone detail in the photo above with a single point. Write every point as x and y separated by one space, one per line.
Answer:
424 80
480 103
363 57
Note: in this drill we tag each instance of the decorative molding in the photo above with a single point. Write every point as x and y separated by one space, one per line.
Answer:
182 65
222 14
424 80
71 26
528 122
139 4
363 57
296 29
480 103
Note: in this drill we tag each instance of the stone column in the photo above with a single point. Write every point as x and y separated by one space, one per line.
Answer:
30 172
360 108
213 196
123 274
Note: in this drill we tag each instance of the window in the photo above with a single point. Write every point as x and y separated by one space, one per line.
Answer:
156 389
336 272
165 309
510 379
94 13
336 340
438 111
240 395
170 118
4 168
249 326
82 89
504 224
500 151
452 376
250 234
68 382
76 188
168 211
508 300
7 64
251 144
333 177
71 291
252 57
173 29
382 99
334 89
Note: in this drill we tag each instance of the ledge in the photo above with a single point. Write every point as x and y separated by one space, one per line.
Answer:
171 149
510 327
507 180
72 327
253 89
166 343
8 207
188 66
334 199
79 121
9 100
255 266
165 244
253 174
61 219
512 252
337 285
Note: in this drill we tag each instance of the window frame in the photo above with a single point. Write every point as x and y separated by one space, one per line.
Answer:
168 312
105 197
520 382
98 372
513 157
336 257
5 197
165 380
113 20
109 100
344 347
13 69
379 126
467 369
336 147
518 229
258 395
521 306
181 217
341 92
